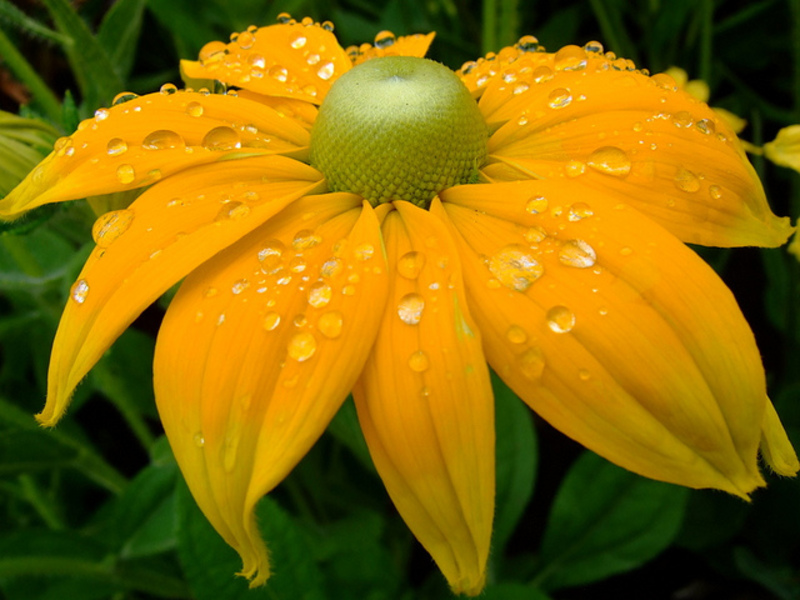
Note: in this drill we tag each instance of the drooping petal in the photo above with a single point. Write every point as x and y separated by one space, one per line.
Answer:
143 250
576 115
150 137
291 60
775 445
258 350
612 330
425 401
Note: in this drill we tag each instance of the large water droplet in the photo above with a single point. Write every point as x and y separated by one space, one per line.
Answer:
580 211
305 239
302 346
570 58
163 139
246 40
410 308
297 41
233 211
536 204
418 361
168 89
515 268
116 146
79 291
331 267
221 138
125 174
325 72
577 253
686 181
384 39
194 109
410 264
271 257
319 295
330 324
706 126
560 319
110 226
610 161
559 98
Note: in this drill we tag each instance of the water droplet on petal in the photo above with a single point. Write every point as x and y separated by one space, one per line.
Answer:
194 109
330 324
101 114
325 72
302 346
577 253
125 174
221 138
574 168
110 226
515 267
163 139
79 291
123 97
534 235
706 126
536 204
418 361
682 119
305 239
240 286
364 251
199 440
610 161
271 321
528 43
319 295
559 98
246 40
233 211
580 211
531 363
584 375
168 89
560 319
298 41
331 267
410 264
271 257
384 39
116 146
686 181
516 335
715 192
410 308
570 58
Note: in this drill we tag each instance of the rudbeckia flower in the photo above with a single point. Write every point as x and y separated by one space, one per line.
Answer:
367 220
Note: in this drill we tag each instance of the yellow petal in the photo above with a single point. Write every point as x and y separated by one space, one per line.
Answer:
784 150
290 60
775 445
258 350
142 251
425 401
141 141
640 138
406 45
613 331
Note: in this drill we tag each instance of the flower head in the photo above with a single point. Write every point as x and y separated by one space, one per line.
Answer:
363 220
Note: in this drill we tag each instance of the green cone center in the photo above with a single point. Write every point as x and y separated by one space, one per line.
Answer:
398 128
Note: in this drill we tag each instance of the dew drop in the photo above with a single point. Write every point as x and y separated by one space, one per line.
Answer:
163 139
79 291
271 321
610 160
123 97
110 226
271 257
715 192
319 295
580 211
515 268
626 251
410 264
584 375
570 58
325 72
233 211
542 74
364 251
212 52
101 114
125 174
410 308
577 253
384 39
418 361
116 146
560 319
682 119
528 43
194 109
240 286
168 89
531 363
305 239
330 324
516 335
302 346
686 181
706 126
221 138
534 235
559 98
199 440
521 88
594 47
536 205
279 73
298 41
331 267
246 40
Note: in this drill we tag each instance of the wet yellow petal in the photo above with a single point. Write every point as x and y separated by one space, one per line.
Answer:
291 60
638 137
141 141
258 350
407 45
425 401
775 445
612 330
143 250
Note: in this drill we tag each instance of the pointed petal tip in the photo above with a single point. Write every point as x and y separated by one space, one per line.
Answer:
469 586
776 448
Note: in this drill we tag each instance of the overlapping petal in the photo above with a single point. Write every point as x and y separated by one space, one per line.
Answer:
580 116
425 401
166 233
258 350
612 330
148 138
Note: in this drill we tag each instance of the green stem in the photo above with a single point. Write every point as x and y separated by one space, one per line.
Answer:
35 497
489 39
706 39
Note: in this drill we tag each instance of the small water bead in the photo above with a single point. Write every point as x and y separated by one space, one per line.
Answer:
715 192
79 291
559 98
594 47
313 59
577 253
110 226
515 268
302 346
531 363
199 440
528 43
364 251
233 211
521 88
384 39
575 168
410 309
221 138
194 109
297 265
542 73
123 97
580 211
300 321
319 295
331 268
257 61
271 257
298 41
271 321
116 146
682 119
168 89
163 139
610 160
125 174
410 264
418 361
584 375
626 251
327 25
468 67
560 319
534 235
686 181
516 335
279 73
706 126
101 114
570 58
210 292
325 72
330 324
246 40
536 205
284 18
240 286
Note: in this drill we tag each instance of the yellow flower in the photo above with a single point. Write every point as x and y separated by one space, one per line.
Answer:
392 242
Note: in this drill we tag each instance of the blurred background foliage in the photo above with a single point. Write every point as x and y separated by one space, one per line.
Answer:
97 509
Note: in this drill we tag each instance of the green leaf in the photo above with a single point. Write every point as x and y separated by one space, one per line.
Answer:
119 32
517 456
606 520
36 260
346 429
513 591
210 564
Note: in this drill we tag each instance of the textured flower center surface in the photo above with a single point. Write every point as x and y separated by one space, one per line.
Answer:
398 128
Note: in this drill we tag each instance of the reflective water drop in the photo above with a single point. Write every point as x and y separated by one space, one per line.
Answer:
706 126
521 88
574 168
125 174
536 204
325 72
515 268
528 43
79 291
246 40
240 286
626 251
319 295
212 52
199 440
594 47
271 257
284 18
221 138
682 119
577 253
101 114
233 211
610 160
410 308
279 73
327 25
300 320
302 346
410 264
364 251
271 321
194 109
168 89
686 181
123 97
516 335
570 58
331 267
584 375
297 41
580 211
116 146
384 39
560 319
163 139
111 226
559 98
534 235
330 324
531 363
305 239
418 361
715 192
542 74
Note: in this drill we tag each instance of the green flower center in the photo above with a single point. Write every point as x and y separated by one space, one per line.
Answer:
398 128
